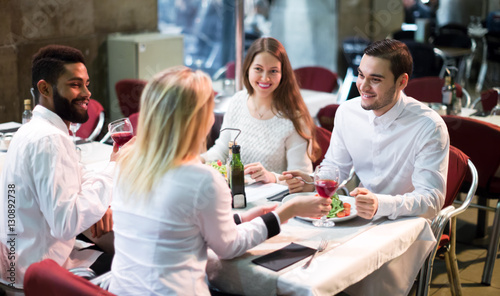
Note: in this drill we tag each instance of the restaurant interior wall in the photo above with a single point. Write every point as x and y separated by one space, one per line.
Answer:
27 25
312 31
460 11
308 30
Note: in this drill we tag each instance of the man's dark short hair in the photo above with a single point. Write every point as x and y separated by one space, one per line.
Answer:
395 52
48 64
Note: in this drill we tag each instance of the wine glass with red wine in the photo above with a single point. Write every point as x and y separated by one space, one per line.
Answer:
326 180
121 131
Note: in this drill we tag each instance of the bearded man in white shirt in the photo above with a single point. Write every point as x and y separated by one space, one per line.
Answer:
47 197
397 145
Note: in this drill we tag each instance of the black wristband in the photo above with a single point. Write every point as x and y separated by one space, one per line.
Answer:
237 219
273 227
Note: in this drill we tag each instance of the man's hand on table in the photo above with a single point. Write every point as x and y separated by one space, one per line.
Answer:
104 225
366 202
312 206
297 185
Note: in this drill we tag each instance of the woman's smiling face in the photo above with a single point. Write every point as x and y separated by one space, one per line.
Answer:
264 74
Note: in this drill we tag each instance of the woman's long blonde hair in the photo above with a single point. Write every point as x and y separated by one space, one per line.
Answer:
176 106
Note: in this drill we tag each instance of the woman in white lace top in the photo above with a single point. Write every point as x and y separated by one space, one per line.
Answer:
276 127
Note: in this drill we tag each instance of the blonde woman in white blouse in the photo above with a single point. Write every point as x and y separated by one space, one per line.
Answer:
168 207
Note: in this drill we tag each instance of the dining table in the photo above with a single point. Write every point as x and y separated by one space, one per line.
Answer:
363 257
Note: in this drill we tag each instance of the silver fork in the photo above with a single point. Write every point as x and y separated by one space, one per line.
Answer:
322 246
312 183
307 182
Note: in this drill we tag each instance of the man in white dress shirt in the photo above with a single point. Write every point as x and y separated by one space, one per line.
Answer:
397 145
47 197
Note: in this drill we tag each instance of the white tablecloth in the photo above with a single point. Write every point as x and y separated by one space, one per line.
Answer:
316 100
381 257
489 119
95 155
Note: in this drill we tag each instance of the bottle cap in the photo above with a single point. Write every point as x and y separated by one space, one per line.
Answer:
236 149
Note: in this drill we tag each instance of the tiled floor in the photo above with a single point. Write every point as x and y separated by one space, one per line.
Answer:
471 254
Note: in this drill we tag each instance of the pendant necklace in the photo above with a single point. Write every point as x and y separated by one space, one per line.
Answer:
256 110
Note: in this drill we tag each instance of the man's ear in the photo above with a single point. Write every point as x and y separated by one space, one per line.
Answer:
44 88
402 81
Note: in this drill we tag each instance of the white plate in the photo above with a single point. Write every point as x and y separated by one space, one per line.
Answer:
343 198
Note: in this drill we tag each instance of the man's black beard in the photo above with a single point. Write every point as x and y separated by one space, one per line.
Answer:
67 110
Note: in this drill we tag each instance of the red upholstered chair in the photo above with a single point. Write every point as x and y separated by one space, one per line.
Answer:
134 121
488 100
92 128
231 70
323 138
481 142
428 90
458 166
47 278
326 116
129 93
316 78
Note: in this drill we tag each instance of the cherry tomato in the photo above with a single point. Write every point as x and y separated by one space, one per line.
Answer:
347 205
341 214
347 212
219 163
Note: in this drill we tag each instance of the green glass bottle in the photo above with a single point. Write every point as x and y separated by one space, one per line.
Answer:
449 92
237 180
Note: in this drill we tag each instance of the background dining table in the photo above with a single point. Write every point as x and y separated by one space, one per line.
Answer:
314 100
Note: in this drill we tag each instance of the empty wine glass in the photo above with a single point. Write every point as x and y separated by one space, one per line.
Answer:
326 180
121 131
74 127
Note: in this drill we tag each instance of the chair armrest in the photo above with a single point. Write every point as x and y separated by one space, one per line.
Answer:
470 193
83 272
467 96
105 138
475 103
103 280
97 129
445 214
